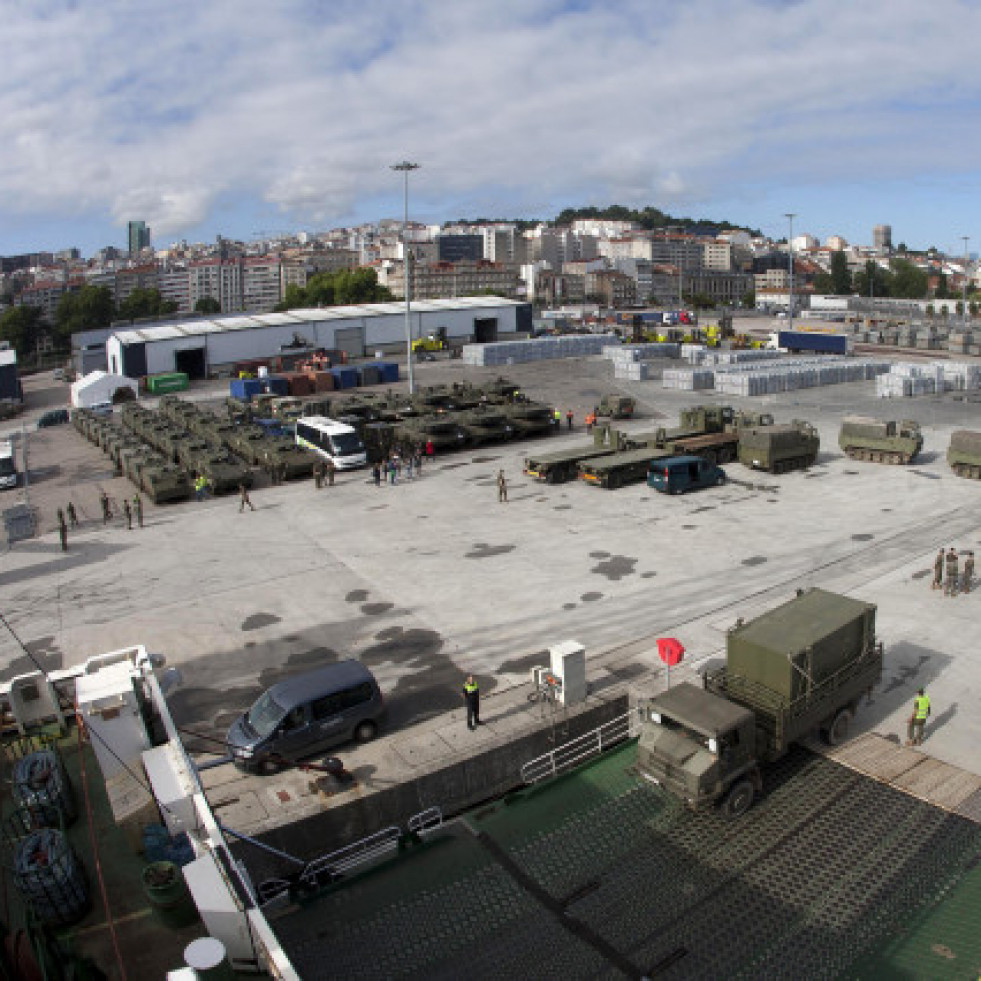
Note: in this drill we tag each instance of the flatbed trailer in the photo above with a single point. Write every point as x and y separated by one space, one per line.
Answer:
714 447
621 468
563 465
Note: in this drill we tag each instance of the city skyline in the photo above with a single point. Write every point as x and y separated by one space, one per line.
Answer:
288 118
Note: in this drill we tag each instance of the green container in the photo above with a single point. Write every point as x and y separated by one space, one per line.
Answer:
164 886
175 381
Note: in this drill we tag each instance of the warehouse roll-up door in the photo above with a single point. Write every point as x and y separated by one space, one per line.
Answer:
192 362
134 360
351 340
485 330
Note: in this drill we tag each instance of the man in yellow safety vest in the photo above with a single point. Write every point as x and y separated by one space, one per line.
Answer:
921 709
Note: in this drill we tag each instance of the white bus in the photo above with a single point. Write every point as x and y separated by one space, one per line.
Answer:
331 440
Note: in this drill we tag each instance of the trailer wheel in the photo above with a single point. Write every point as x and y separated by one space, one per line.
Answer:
739 800
837 732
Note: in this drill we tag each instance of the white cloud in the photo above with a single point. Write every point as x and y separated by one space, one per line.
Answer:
163 111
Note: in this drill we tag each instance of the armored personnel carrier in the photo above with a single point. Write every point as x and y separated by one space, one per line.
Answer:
188 450
223 471
163 481
280 451
484 424
778 449
964 453
863 438
248 442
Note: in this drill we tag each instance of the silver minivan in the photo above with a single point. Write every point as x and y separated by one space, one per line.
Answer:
305 714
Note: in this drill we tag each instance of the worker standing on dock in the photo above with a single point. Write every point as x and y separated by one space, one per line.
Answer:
471 695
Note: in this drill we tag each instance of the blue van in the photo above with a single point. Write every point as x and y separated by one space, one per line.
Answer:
678 474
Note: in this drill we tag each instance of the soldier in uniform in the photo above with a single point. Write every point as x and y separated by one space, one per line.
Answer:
138 506
502 487
128 511
938 570
318 475
63 533
331 469
72 516
106 511
968 573
244 499
950 583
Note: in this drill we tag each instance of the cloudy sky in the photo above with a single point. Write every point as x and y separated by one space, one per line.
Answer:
217 117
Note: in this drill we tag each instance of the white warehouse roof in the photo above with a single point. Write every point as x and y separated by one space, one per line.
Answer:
191 328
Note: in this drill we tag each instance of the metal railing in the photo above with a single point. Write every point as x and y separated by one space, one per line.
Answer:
426 822
576 751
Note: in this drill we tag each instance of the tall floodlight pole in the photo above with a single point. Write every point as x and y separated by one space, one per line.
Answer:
964 287
405 167
791 215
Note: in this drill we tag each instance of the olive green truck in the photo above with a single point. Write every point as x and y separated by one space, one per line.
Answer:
802 667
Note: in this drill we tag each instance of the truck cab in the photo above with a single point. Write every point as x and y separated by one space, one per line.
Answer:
700 747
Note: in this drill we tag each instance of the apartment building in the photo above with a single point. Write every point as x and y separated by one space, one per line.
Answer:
174 284
262 283
144 277
553 289
678 251
220 279
611 288
556 246
630 247
723 288
717 256
602 227
46 295
438 280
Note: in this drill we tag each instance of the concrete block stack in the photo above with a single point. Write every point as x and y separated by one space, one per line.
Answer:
906 379
641 352
688 379
631 370
537 349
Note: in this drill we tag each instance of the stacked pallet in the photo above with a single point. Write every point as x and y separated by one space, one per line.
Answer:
537 349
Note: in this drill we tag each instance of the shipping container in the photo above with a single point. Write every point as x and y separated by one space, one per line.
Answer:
345 377
244 389
276 385
389 371
174 381
369 374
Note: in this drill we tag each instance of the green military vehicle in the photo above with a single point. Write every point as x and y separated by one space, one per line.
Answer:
484 424
616 407
188 450
619 469
248 442
778 449
800 668
223 472
282 453
443 431
528 418
163 481
559 466
964 453
863 438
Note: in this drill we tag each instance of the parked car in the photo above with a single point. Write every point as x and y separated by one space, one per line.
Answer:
678 474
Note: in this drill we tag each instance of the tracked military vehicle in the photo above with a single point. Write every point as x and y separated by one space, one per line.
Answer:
802 667
863 438
778 449
163 481
223 472
964 453
283 453
484 424
443 431
529 418
248 442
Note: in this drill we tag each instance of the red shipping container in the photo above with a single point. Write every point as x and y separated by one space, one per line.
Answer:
323 381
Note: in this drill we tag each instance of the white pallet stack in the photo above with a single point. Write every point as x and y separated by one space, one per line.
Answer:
537 349
687 379
631 370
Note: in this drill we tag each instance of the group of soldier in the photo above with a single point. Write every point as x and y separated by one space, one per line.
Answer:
324 470
401 460
68 518
946 575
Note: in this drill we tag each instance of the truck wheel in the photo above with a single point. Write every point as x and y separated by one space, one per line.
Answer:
837 732
739 800
720 480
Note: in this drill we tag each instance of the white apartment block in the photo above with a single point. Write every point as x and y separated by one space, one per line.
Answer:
602 227
439 280
144 277
717 256
174 284
218 278
630 247
261 284
557 246
503 243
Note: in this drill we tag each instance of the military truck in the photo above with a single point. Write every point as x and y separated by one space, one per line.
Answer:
615 407
964 453
863 438
559 466
777 449
800 668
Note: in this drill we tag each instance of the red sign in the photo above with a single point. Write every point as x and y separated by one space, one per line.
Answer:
670 650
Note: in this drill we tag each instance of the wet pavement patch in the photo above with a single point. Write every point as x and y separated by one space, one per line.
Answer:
388 633
628 672
755 560
258 620
920 574
771 500
599 555
378 507
930 476
851 473
689 527
482 551
862 538
484 459
614 567
568 606
590 597
523 664
376 609
562 507
706 507
886 509
356 596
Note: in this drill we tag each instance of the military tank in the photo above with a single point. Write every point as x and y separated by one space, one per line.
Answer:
529 418
964 453
778 449
248 442
878 441
223 471
444 431
282 452
187 451
484 424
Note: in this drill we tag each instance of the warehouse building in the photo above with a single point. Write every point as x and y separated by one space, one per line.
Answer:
201 347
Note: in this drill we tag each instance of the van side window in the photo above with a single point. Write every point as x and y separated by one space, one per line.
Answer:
357 695
295 719
324 708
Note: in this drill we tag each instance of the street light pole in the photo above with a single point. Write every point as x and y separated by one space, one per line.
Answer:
791 215
964 288
405 167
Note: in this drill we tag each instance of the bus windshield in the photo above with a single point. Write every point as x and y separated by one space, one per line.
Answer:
346 444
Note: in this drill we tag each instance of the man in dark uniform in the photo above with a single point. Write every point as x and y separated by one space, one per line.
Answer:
244 499
471 695
938 570
106 512
62 531
138 505
318 475
950 583
331 469
502 487
128 511
72 516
